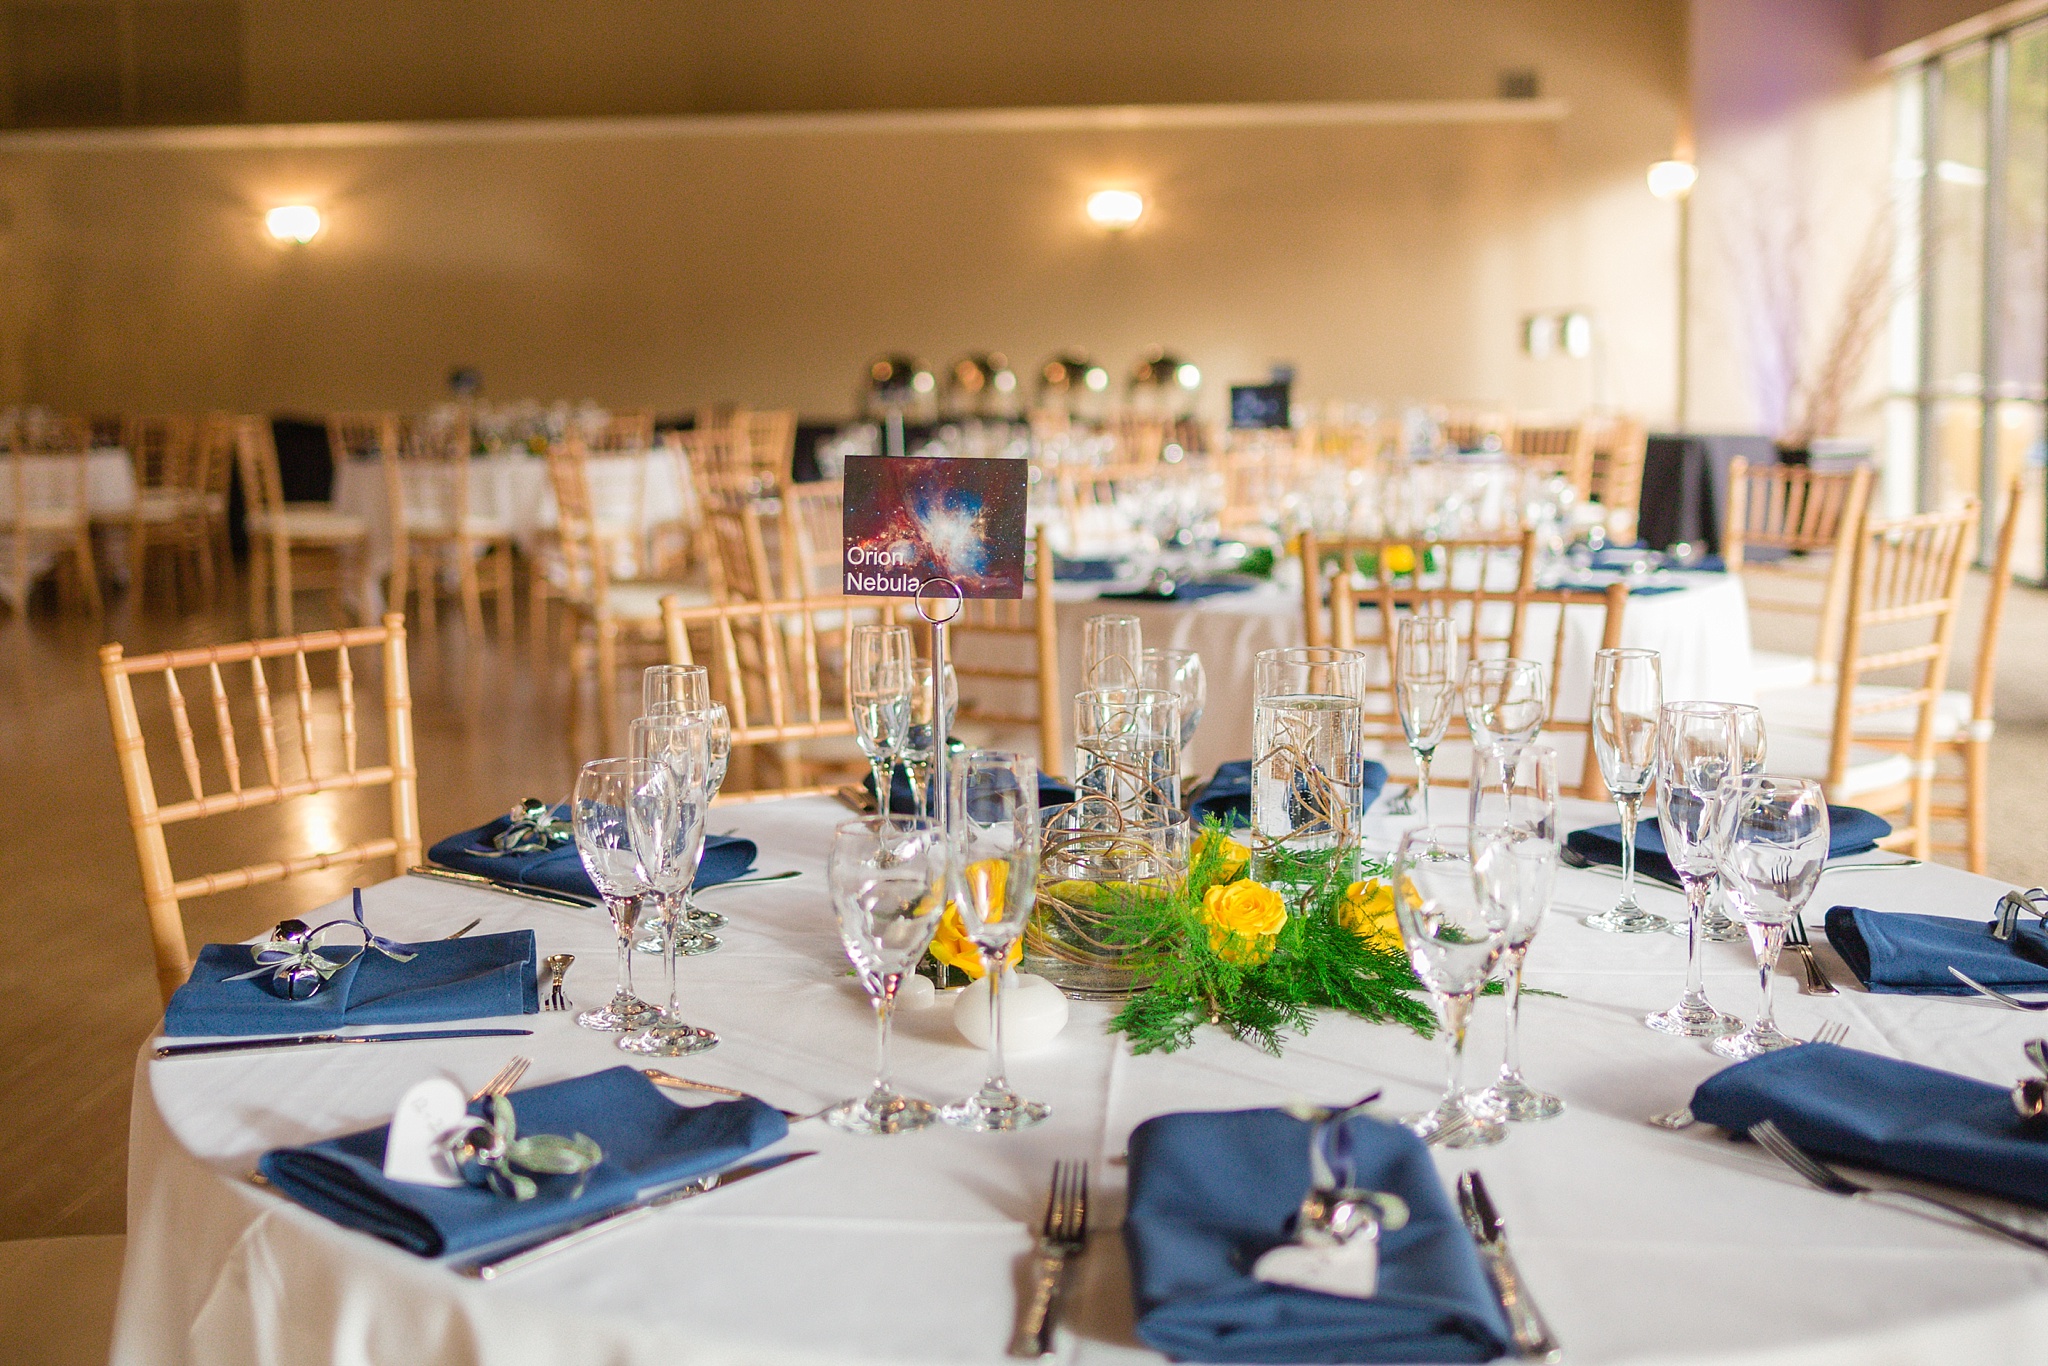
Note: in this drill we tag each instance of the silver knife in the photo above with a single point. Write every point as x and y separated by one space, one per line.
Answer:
499 1263
547 894
1533 1341
191 1050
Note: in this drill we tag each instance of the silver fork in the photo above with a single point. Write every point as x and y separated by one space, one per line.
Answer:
1063 1235
2011 1002
558 965
1831 1031
1817 983
508 1077
1773 1141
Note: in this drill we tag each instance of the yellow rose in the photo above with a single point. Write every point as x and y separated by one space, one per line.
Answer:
1243 917
986 881
1400 559
1235 857
1367 910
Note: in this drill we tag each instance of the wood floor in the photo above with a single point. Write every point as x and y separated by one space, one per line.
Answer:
77 995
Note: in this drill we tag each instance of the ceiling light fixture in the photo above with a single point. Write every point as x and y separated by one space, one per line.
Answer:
1672 179
1115 209
293 223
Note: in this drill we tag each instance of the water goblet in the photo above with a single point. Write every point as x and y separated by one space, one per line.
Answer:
666 824
1775 853
1452 945
1628 694
1505 701
878 663
1425 689
922 740
994 806
599 812
1111 647
674 687
1698 767
887 876
1515 791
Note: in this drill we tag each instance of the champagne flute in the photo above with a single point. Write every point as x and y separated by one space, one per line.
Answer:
603 797
681 740
1180 673
1425 688
878 660
887 876
1698 767
1111 647
685 690
1506 701
922 740
1775 853
1628 692
1715 925
1452 946
666 824
674 687
1514 790
994 806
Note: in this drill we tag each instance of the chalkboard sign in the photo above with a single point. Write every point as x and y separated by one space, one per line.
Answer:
1260 405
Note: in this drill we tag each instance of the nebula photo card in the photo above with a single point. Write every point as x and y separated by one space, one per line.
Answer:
911 519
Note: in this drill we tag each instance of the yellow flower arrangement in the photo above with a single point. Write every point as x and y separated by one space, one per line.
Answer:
1367 910
1243 918
986 882
1400 559
1234 857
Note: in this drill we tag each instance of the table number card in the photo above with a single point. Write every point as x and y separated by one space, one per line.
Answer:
911 519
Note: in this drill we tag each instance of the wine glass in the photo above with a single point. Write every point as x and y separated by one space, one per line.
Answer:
878 660
1514 790
1111 647
888 881
1506 701
603 797
994 806
1776 848
682 740
1452 946
684 690
1180 673
674 687
1425 688
918 744
1715 925
1628 692
666 824
1698 767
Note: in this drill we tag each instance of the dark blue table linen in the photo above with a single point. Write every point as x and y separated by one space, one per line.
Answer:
561 870
472 978
1085 571
1851 830
1895 953
1228 797
1051 792
1211 1192
1894 1116
1185 592
648 1140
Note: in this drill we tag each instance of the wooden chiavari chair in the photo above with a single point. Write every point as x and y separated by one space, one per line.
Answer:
292 546
1796 513
991 677
1906 588
1477 429
1964 723
296 711
1619 447
1489 589
49 512
813 538
780 670
1561 449
427 482
169 511
213 473
771 445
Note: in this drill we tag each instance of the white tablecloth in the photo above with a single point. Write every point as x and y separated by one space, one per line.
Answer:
1641 1245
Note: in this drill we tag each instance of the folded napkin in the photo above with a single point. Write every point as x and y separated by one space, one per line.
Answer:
1893 953
1210 1192
1228 797
1880 1112
1051 792
1185 592
1851 830
1084 571
561 870
447 979
648 1140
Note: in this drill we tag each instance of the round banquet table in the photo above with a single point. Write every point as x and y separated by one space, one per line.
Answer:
1702 630
1640 1244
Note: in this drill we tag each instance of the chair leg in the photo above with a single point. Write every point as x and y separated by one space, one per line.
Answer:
472 591
259 584
202 551
138 561
281 585
502 557
428 591
1977 803
608 684
88 573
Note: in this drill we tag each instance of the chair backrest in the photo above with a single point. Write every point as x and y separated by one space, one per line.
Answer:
722 464
328 758
362 436
51 433
1984 675
813 538
214 455
256 457
1797 511
740 566
161 448
779 668
1619 448
46 492
624 431
1564 449
1477 429
985 652
771 444
426 476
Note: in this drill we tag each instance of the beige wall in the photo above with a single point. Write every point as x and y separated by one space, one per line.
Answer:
682 267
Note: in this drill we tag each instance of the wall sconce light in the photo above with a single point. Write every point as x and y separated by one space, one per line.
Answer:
1551 334
1671 180
1115 209
293 223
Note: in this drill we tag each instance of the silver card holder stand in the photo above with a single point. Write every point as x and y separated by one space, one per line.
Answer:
939 612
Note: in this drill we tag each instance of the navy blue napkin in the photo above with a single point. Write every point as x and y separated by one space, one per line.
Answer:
1228 797
1851 830
1894 953
1185 592
1084 571
471 978
1051 792
1879 1112
725 858
1211 1192
648 1140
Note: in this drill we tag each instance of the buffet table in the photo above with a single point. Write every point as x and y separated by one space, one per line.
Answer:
1640 1244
